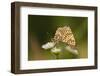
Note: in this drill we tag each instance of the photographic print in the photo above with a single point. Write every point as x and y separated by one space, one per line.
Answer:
52 37
56 37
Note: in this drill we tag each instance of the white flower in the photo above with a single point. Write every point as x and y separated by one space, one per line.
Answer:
48 45
74 51
55 50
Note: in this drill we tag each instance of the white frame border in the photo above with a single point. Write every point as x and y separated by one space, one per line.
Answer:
25 64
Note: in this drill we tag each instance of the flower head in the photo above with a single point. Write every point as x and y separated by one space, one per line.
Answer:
55 50
74 51
48 45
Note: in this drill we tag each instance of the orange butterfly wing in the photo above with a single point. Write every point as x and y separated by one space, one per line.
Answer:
64 34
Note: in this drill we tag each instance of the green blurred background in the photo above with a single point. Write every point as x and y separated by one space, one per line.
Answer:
42 28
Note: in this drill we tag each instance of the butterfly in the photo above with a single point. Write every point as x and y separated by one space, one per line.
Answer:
64 34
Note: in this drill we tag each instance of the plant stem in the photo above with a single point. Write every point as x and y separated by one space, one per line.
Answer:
57 56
